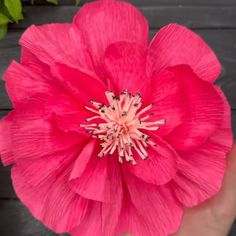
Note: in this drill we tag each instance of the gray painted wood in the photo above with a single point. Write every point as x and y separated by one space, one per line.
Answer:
223 42
19 221
194 17
148 2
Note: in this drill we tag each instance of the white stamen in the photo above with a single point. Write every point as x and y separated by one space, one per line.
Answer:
123 127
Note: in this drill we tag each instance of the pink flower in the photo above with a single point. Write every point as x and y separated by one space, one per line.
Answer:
109 134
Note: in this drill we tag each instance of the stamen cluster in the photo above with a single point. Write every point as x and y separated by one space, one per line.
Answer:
121 125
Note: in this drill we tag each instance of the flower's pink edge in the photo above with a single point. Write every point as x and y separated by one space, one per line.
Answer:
6 153
148 209
175 44
201 172
59 212
63 43
46 192
168 101
160 166
125 65
111 17
204 110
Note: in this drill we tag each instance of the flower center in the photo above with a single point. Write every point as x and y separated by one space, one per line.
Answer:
122 125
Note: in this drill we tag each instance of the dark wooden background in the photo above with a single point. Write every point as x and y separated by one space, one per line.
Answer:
214 20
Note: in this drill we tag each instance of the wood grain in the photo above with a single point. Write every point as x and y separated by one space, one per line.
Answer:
194 17
15 219
223 42
147 2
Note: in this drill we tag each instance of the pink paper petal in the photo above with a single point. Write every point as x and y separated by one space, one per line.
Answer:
76 83
113 196
126 67
168 101
50 200
89 174
204 110
105 22
159 167
7 156
93 217
157 206
175 44
23 83
51 43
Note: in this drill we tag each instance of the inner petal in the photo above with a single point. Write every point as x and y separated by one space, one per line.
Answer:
122 125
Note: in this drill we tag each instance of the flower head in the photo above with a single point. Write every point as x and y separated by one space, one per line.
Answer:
109 134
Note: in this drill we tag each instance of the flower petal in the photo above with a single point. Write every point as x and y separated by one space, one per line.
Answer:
157 206
93 217
159 167
49 198
175 44
22 83
92 179
204 110
111 208
105 22
223 137
125 64
168 101
201 171
30 126
89 174
131 221
200 175
71 121
6 153
56 43
76 82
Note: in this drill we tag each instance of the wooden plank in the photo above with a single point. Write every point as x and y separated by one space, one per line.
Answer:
147 2
223 42
194 17
15 220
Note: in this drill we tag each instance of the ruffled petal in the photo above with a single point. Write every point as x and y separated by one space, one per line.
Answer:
223 137
175 44
125 64
105 22
71 121
201 171
159 167
204 110
89 174
168 102
6 153
93 216
130 221
76 83
200 175
34 136
111 208
56 43
156 206
23 83
47 194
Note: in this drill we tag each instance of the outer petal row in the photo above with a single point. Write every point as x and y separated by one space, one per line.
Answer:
175 45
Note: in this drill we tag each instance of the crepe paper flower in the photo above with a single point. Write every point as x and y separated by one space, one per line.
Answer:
109 134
